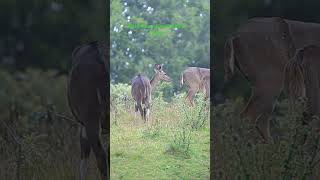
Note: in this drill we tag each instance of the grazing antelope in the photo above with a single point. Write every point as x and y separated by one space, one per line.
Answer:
193 77
142 87
87 97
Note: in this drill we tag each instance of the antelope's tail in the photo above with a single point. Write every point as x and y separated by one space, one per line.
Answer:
181 81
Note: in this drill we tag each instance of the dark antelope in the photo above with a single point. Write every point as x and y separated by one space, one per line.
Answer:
260 49
87 97
142 87
197 79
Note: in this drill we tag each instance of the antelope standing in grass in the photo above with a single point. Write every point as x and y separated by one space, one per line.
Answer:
142 87
197 79
87 97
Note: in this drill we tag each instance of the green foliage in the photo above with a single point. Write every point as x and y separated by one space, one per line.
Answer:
136 50
190 119
43 34
37 137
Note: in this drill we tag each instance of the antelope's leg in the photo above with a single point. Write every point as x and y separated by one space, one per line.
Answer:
99 152
147 110
85 152
102 97
135 110
259 110
141 110
190 96
101 158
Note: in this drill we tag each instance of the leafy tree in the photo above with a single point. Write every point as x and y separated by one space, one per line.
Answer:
136 50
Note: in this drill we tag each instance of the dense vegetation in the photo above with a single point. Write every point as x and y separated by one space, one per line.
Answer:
294 153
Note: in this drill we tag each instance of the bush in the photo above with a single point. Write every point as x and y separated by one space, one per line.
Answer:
191 118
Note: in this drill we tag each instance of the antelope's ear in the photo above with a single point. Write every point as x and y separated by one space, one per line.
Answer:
157 67
161 66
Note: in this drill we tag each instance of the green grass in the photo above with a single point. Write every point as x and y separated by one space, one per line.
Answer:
139 151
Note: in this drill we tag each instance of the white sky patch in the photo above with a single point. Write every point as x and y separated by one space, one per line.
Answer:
125 3
193 62
144 6
115 29
130 32
150 65
128 49
142 50
128 17
175 29
125 11
201 14
180 34
127 63
150 9
130 55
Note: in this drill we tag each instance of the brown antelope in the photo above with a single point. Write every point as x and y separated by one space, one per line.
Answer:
87 97
260 50
193 77
142 87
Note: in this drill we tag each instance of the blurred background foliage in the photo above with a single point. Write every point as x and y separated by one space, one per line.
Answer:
136 51
43 33
229 15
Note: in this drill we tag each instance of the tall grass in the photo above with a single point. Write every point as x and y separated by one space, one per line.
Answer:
38 138
296 155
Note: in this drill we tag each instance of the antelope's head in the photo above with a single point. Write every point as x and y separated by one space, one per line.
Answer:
161 74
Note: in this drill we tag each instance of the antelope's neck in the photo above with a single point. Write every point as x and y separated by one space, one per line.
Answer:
154 81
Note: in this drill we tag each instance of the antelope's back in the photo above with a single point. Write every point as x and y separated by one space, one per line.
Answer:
87 76
140 88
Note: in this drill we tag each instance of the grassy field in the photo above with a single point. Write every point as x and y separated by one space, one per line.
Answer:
174 145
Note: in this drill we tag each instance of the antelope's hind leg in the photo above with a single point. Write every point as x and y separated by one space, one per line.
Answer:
85 152
190 96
